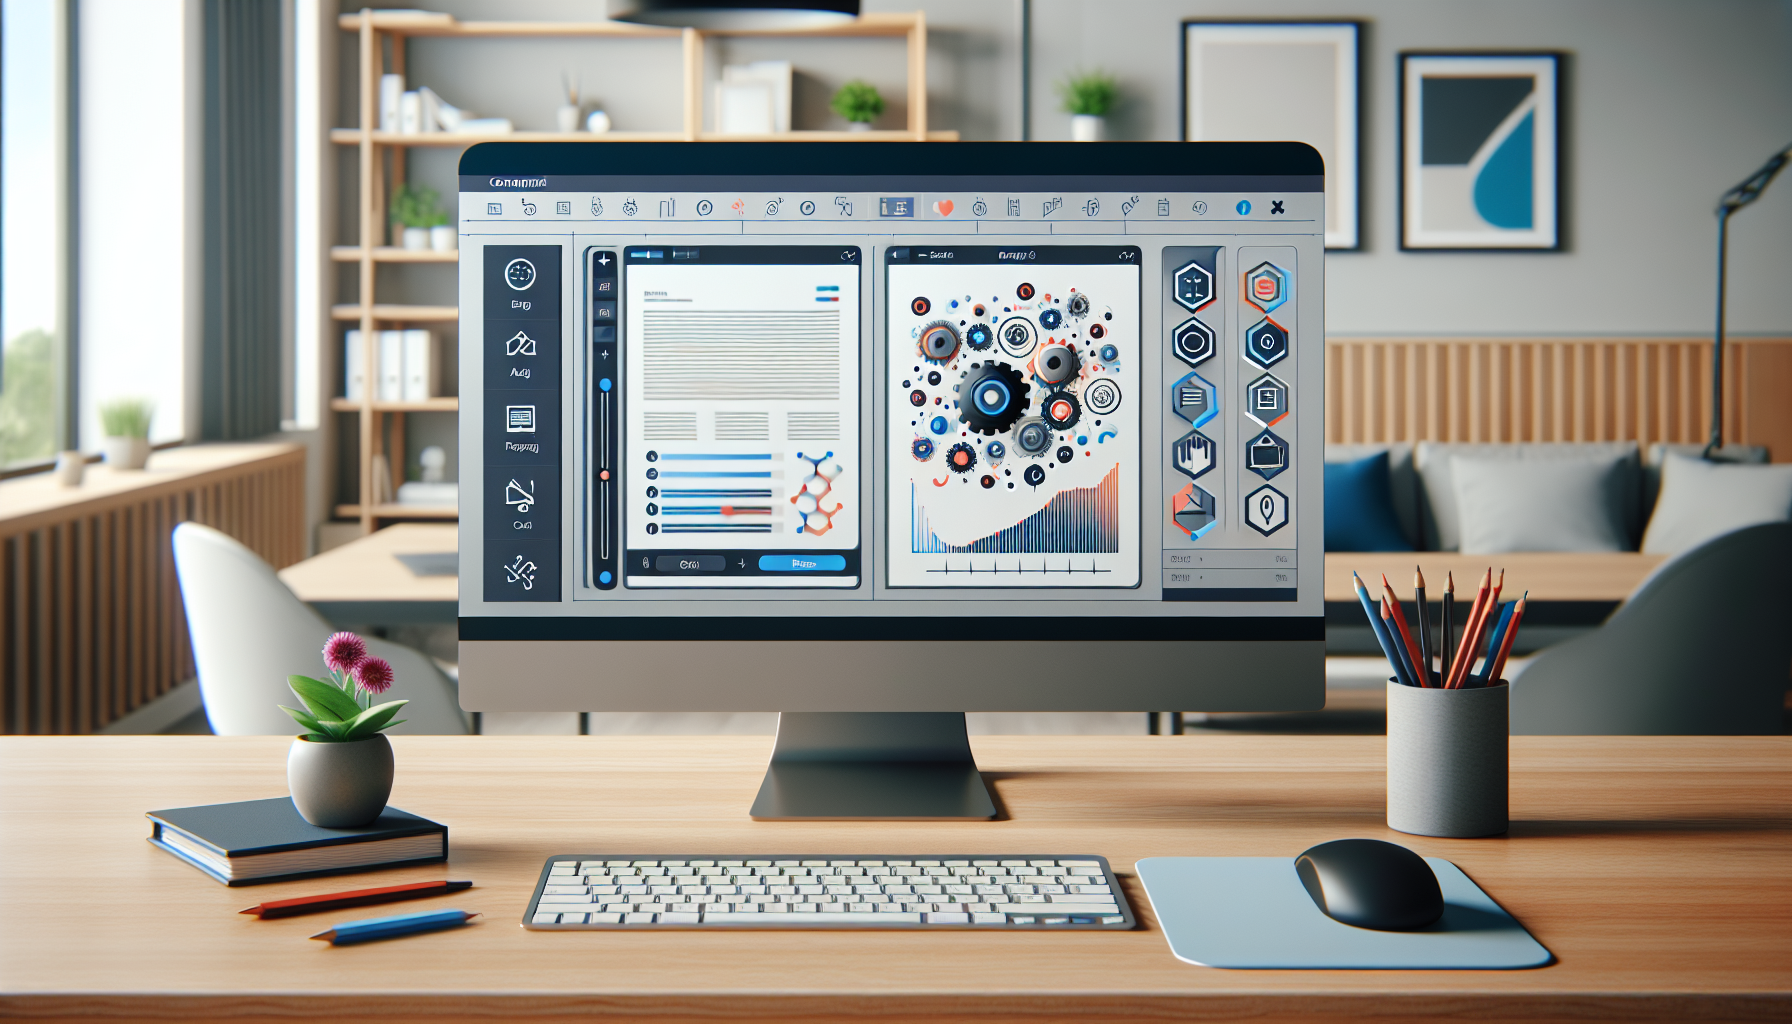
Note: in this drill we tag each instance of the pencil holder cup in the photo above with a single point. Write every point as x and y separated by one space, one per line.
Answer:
1447 760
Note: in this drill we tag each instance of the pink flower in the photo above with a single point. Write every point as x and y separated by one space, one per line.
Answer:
343 651
374 675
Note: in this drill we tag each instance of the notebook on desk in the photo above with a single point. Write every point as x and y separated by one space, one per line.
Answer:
255 841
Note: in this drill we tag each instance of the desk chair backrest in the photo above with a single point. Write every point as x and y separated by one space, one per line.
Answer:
1704 647
250 632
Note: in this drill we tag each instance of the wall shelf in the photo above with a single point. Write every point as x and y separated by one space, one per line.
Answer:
396 511
448 404
393 254
397 314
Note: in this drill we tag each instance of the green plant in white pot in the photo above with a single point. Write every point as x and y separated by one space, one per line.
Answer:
126 423
340 768
415 210
1089 96
859 103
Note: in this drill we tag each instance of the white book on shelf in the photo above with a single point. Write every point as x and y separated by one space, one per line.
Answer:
391 87
776 75
744 108
410 113
429 111
391 366
354 366
419 365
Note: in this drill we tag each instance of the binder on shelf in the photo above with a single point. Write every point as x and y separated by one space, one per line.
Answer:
354 367
391 366
391 87
420 374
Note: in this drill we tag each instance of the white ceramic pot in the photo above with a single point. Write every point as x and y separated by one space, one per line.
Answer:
340 785
567 119
416 238
597 122
71 466
126 452
858 126
442 238
1087 127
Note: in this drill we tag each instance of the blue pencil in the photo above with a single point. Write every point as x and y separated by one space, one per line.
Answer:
1493 642
1381 630
368 929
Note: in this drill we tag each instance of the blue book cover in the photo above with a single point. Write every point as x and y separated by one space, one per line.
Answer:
255 841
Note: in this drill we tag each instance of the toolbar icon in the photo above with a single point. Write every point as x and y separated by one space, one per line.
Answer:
1266 509
1128 206
668 208
1193 511
1052 205
1013 207
705 207
1266 286
1266 455
630 207
896 206
564 209
1244 207
1193 454
979 208
1163 207
520 497
771 206
528 208
494 209
597 207
519 419
520 571
1266 344
1266 400
520 345
844 205
1192 342
808 208
1091 207
1194 286
1194 399
1200 208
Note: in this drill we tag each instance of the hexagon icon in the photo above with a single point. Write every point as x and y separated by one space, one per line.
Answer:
1193 454
1266 400
1266 286
1193 511
1192 341
1266 344
1266 509
1194 399
1266 455
1194 286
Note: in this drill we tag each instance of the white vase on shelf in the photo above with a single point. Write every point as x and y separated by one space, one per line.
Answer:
567 119
126 452
442 238
858 126
416 239
1087 127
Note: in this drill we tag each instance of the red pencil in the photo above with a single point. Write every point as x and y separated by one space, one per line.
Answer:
1399 617
1499 661
353 898
1466 652
1489 613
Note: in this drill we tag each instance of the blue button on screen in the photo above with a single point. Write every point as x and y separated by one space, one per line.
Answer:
802 563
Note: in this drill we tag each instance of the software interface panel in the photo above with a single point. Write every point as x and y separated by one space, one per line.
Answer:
903 397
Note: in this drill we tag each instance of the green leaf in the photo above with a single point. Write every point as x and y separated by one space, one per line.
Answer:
324 700
373 719
305 719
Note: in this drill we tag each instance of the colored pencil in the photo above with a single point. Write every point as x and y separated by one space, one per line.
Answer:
1489 611
1494 637
1403 662
1418 586
1499 663
1465 651
1412 649
372 928
1376 626
1445 653
353 898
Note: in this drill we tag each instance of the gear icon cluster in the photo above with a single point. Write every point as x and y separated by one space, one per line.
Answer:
991 397
824 470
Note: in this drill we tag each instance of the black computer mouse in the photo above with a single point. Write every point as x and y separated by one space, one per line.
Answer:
1371 884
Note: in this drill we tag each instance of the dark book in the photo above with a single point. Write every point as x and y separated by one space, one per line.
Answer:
267 841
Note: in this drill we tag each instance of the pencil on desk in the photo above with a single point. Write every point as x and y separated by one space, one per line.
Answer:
1494 638
351 932
1401 661
1418 587
1376 626
1499 664
1407 647
1445 651
1465 651
353 898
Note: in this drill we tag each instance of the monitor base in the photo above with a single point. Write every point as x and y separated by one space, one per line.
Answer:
868 765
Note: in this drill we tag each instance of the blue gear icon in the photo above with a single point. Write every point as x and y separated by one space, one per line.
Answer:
922 449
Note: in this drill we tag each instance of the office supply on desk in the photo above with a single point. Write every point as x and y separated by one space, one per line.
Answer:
953 891
255 841
1447 760
1368 883
1379 625
1447 652
1420 668
1424 612
1497 671
1254 913
370 929
353 898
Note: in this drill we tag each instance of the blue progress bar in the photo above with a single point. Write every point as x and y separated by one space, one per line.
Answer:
699 473
716 492
674 457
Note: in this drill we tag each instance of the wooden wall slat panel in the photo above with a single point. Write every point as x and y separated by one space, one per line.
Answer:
1599 389
91 621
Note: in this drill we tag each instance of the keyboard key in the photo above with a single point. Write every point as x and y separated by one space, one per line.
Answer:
812 920
638 918
948 919
572 918
541 918
988 918
679 918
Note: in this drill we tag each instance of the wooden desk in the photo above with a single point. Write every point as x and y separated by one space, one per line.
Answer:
364 582
1606 576
1654 869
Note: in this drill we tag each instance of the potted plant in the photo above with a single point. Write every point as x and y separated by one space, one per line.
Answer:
1089 97
441 232
126 421
416 209
859 103
340 768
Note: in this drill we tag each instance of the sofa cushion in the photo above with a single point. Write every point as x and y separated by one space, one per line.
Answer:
1506 504
1403 483
1750 454
1701 500
1359 509
1437 506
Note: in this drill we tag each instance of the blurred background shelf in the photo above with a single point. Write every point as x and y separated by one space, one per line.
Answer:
396 314
448 404
393 254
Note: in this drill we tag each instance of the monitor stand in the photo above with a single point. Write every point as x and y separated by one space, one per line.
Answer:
834 765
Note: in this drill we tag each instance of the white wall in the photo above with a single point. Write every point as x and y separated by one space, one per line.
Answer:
138 231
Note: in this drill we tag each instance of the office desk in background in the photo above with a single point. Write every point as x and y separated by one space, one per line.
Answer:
363 581
1653 868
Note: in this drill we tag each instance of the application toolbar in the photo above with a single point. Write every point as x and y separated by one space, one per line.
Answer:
871 207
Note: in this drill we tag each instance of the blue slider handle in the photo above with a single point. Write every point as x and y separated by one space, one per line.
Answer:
1381 634
369 929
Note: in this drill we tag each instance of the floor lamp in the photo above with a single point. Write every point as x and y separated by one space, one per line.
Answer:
1733 200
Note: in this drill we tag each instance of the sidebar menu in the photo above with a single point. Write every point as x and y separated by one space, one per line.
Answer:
522 422
606 402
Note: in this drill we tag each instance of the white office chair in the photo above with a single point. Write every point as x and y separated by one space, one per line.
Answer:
250 632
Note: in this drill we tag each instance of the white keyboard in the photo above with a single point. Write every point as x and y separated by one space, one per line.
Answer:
818 891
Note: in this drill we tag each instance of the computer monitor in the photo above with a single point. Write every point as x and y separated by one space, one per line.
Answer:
873 435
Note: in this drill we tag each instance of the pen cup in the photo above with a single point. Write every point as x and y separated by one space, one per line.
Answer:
1447 760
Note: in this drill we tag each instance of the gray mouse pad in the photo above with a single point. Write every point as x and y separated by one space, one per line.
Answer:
1252 912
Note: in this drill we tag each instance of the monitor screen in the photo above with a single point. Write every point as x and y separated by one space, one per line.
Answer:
793 426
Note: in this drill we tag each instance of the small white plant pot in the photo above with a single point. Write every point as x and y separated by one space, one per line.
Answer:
340 785
858 126
442 238
126 452
567 119
597 123
71 466
1087 128
415 239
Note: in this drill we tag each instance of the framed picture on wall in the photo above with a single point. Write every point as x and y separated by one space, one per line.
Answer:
1480 151
1273 81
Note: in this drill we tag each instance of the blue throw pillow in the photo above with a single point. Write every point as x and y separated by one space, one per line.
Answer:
1359 507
